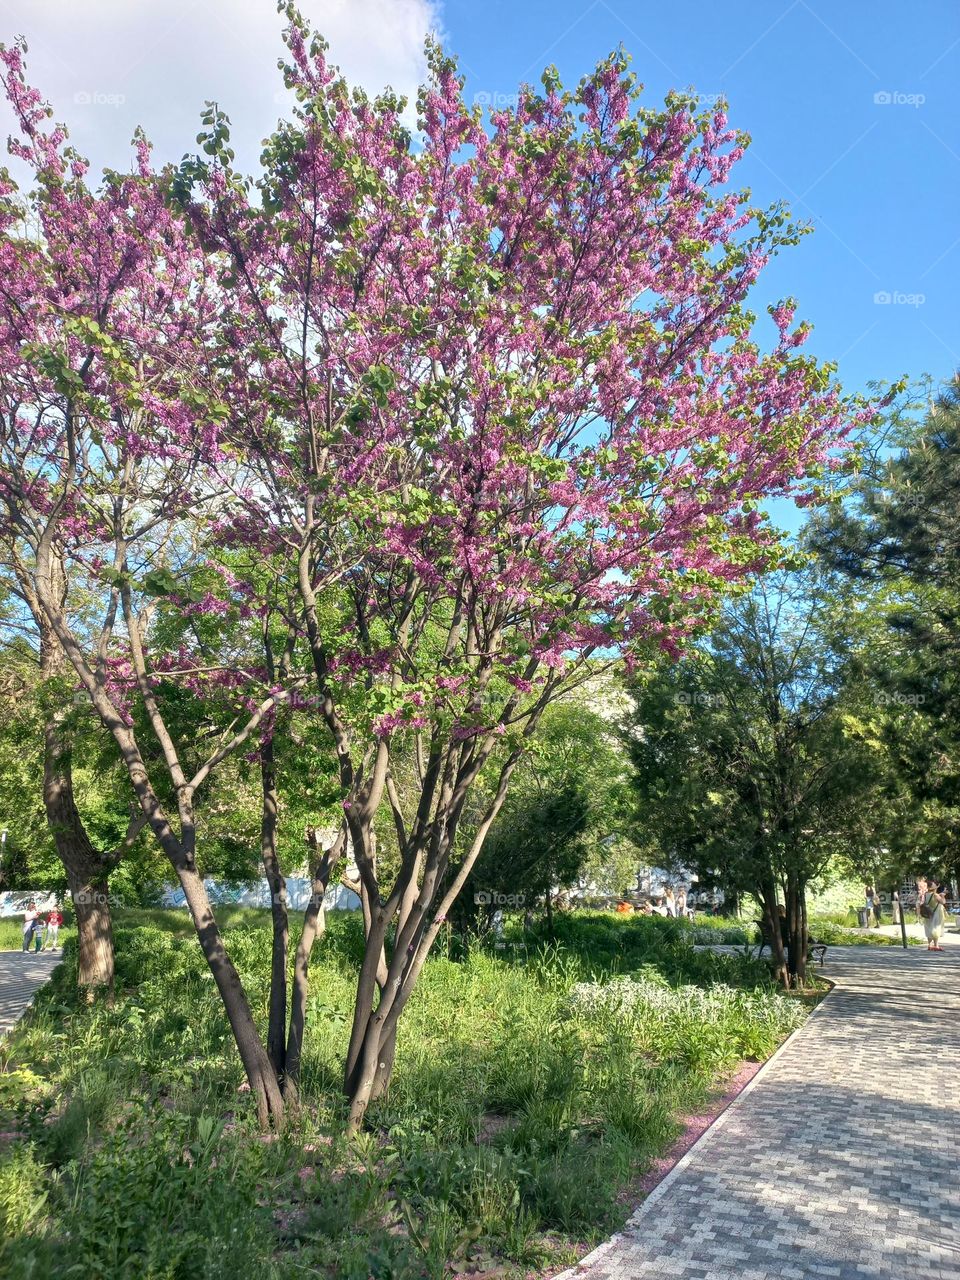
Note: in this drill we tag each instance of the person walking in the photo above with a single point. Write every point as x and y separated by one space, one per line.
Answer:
670 902
877 907
868 908
29 924
682 902
54 921
932 912
895 906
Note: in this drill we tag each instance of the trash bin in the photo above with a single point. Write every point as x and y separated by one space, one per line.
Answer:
863 917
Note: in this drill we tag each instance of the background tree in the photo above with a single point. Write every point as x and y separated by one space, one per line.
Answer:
565 815
750 765
897 538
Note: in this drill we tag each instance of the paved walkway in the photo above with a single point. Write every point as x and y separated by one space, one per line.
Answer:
20 976
840 1159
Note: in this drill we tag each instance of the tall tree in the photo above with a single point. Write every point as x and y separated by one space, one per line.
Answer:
751 764
507 401
108 438
897 538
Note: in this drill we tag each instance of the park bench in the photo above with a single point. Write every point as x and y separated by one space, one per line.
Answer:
817 951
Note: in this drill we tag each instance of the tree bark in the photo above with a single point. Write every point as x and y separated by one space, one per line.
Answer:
797 925
277 1024
386 1054
314 924
768 901
256 1061
86 867
91 905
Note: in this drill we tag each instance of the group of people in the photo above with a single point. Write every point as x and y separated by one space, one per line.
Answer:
672 903
34 928
930 906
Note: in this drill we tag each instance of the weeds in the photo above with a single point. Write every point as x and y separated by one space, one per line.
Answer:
526 1094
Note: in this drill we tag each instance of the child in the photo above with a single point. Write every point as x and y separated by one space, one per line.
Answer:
54 921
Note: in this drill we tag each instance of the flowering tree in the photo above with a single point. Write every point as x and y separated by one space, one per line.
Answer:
109 456
508 418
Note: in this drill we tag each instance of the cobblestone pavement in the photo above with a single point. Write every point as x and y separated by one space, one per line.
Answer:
840 1159
20 976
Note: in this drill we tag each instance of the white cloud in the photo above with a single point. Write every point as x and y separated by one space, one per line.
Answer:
110 65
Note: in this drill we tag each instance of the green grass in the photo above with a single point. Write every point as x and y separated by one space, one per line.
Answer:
528 1091
11 932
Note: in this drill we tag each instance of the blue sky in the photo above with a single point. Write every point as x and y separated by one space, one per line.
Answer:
852 111
852 108
879 180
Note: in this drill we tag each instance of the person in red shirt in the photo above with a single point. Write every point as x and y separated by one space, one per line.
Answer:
54 921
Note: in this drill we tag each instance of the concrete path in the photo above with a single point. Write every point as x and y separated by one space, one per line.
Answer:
842 1156
21 974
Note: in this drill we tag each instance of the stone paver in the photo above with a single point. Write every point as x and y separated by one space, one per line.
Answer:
21 974
841 1159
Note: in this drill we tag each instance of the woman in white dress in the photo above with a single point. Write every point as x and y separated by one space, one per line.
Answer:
933 915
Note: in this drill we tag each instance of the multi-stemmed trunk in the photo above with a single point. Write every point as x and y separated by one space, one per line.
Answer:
415 913
767 893
322 863
180 848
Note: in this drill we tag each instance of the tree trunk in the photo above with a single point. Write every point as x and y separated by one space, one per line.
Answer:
260 1071
86 867
385 1058
364 1011
277 1025
771 916
314 924
91 905
796 922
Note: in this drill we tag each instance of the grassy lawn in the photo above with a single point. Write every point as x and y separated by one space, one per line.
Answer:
532 1084
11 931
